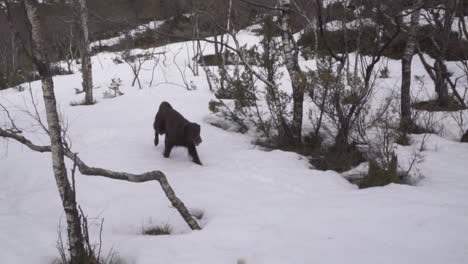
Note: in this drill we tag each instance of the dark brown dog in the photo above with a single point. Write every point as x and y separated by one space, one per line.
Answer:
464 138
179 131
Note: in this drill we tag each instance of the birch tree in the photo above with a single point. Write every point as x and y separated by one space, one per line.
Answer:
81 17
406 122
292 65
60 149
76 244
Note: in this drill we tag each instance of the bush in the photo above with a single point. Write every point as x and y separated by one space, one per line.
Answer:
92 254
384 73
242 101
114 89
379 176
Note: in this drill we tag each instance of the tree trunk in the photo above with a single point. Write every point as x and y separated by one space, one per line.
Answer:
13 52
85 51
406 123
77 250
441 87
341 141
295 72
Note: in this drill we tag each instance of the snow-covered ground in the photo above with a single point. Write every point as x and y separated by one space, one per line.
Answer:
337 25
262 207
153 25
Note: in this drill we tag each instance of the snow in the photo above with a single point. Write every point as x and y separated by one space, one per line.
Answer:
337 25
424 20
264 207
153 25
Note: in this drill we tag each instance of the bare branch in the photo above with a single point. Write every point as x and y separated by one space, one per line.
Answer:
135 178
21 139
14 128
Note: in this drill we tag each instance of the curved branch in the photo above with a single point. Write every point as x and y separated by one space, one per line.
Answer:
21 139
135 178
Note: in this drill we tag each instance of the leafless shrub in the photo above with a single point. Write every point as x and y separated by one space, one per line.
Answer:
111 258
135 60
460 120
382 145
189 85
114 88
427 125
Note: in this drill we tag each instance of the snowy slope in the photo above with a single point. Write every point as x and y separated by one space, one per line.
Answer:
153 25
264 207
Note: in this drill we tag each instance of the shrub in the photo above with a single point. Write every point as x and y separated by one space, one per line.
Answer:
379 176
114 89
157 230
263 107
384 73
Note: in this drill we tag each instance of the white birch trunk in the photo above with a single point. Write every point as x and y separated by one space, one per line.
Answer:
292 65
66 192
408 53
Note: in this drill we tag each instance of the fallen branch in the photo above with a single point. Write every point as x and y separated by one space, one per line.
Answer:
135 178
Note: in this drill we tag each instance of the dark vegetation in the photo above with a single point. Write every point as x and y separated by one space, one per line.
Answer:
382 33
378 176
433 106
157 230
343 42
107 19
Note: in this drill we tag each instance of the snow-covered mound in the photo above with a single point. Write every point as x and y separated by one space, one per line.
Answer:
262 207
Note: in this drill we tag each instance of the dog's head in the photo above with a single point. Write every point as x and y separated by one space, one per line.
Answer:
192 133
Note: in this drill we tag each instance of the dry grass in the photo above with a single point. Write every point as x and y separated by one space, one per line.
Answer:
157 230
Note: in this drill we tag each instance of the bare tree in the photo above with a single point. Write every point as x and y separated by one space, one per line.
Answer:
68 48
406 123
77 250
440 16
60 148
291 55
81 17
